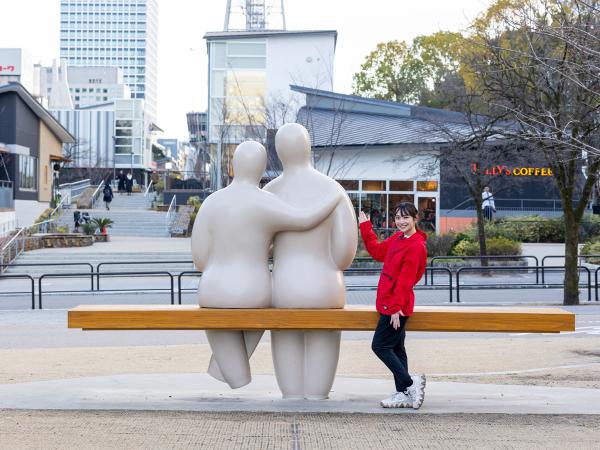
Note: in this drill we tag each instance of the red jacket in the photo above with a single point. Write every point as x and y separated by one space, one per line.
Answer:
404 261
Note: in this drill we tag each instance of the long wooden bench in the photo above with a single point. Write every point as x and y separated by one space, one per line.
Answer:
452 319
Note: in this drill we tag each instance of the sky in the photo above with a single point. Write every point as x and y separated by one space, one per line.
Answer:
182 58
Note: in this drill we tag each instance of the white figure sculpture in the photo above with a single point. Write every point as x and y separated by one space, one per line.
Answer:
230 243
307 269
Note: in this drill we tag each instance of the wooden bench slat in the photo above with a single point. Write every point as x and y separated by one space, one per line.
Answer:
457 319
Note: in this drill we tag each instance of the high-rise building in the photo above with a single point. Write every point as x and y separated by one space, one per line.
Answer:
117 33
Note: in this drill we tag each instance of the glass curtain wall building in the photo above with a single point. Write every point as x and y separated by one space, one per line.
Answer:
238 88
121 33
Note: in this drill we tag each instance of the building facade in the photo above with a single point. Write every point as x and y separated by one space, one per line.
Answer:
16 65
248 85
88 86
114 33
32 143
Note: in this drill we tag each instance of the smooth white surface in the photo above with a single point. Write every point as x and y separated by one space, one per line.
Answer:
230 244
307 269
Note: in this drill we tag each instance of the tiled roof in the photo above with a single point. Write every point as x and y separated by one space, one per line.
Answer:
339 128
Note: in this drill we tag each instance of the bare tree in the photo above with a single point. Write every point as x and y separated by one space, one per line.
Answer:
539 61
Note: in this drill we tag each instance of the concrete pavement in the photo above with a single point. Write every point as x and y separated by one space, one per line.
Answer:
200 392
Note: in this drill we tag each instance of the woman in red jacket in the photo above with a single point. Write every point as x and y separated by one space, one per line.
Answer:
404 257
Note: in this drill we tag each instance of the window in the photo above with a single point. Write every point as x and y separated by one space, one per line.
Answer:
373 185
349 185
27 172
401 185
428 186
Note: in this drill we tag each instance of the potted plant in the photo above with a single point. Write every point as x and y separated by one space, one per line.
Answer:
89 228
102 223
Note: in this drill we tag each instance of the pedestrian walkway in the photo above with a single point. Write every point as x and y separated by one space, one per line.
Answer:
133 430
200 392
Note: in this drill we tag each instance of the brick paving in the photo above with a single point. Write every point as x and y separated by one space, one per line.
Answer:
216 431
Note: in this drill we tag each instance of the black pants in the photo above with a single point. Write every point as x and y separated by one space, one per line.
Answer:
388 345
487 213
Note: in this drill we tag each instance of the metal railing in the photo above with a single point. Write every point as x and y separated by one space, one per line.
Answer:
500 257
147 191
368 286
537 285
96 194
171 213
544 266
126 263
111 274
69 191
21 276
16 245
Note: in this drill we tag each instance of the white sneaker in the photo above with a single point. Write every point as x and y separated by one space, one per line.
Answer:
416 392
397 400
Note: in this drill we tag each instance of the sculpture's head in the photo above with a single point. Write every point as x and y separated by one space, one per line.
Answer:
292 144
249 162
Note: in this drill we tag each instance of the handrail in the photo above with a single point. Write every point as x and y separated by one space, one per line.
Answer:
22 276
148 188
518 285
95 194
170 213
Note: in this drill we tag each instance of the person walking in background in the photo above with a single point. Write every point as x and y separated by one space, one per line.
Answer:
121 185
488 205
404 257
107 192
129 183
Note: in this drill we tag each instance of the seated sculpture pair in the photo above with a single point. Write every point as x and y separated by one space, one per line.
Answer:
310 221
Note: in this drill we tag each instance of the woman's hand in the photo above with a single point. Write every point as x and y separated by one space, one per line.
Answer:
395 320
362 217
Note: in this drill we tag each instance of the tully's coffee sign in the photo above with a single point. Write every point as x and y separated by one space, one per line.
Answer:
513 171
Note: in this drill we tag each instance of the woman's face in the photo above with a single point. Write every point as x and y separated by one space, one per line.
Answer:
405 223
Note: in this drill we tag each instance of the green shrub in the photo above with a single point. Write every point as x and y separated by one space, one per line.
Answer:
497 246
195 202
440 245
89 228
591 248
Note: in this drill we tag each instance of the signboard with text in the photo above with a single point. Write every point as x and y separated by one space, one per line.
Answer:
10 61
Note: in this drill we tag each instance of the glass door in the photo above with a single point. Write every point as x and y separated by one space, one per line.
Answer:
427 205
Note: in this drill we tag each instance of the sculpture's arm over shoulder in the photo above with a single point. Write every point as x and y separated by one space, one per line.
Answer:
201 238
344 234
283 217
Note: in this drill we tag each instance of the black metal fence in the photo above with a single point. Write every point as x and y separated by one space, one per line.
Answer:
427 282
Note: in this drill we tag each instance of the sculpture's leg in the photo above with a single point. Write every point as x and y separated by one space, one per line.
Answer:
214 371
287 348
229 350
321 359
251 340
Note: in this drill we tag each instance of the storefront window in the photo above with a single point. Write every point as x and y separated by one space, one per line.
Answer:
427 186
349 185
373 185
427 214
355 199
396 185
375 205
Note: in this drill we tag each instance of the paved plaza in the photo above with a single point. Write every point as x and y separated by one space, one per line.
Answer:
66 388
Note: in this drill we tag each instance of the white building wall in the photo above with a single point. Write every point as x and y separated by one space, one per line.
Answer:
305 60
27 211
372 163
8 222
